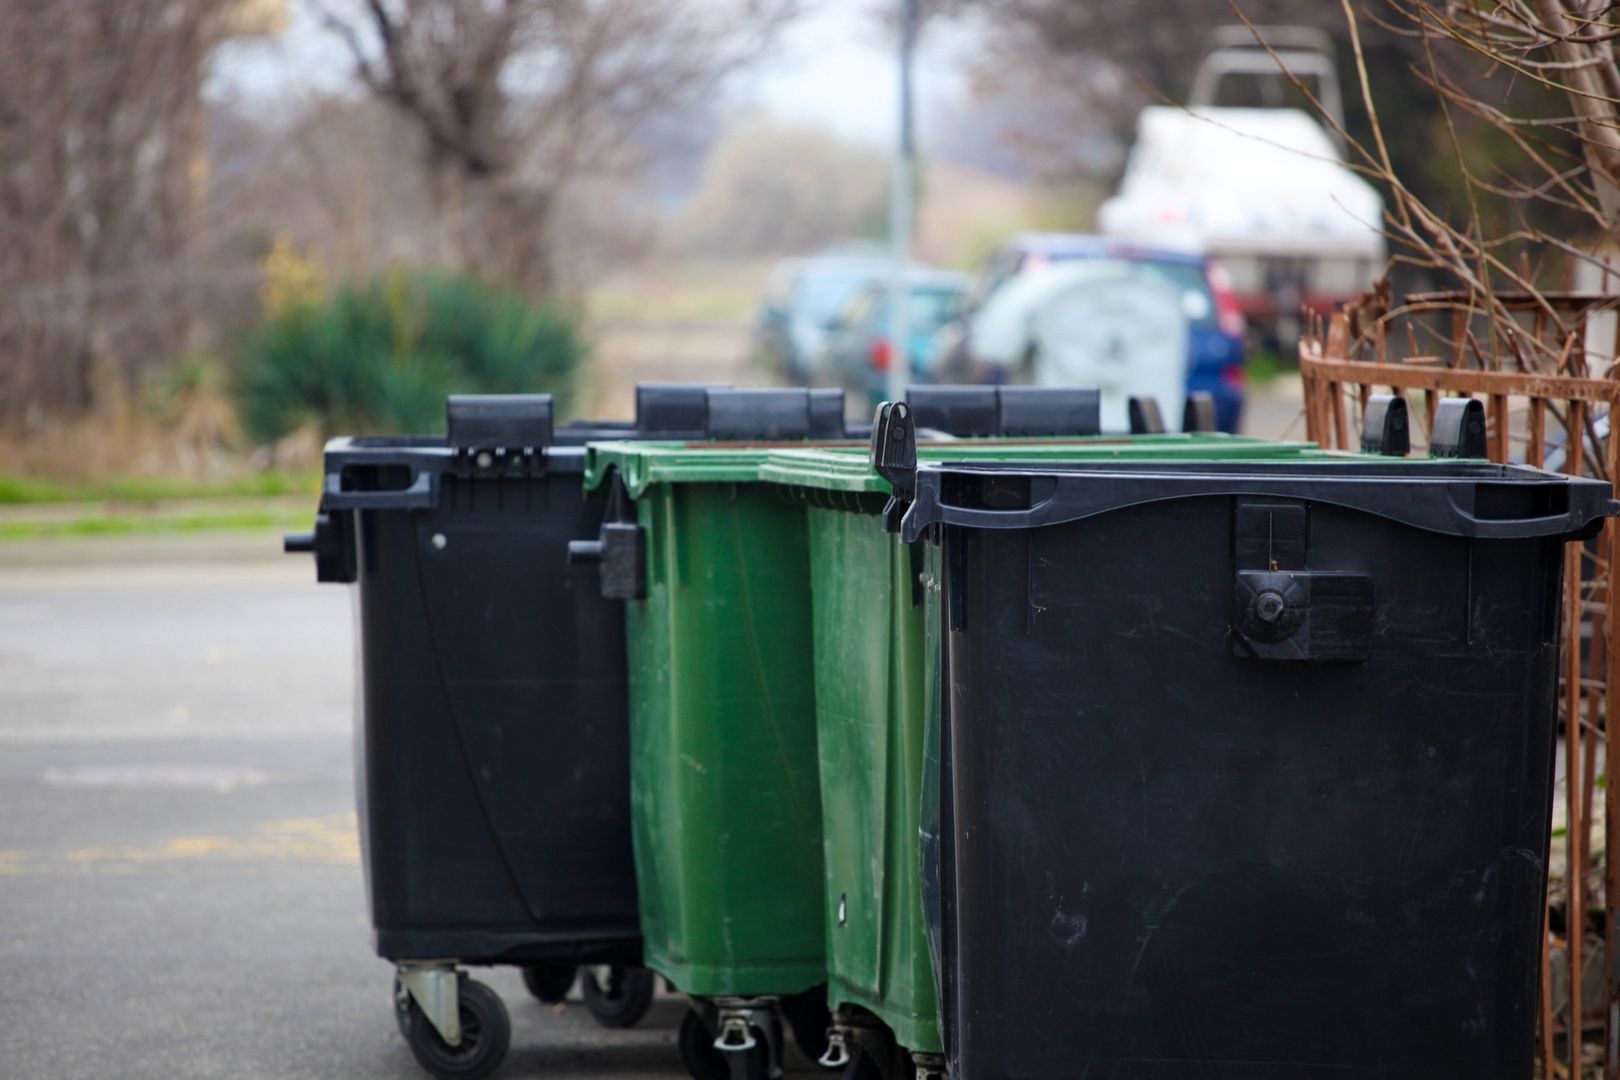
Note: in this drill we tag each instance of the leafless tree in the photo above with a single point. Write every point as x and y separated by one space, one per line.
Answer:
100 119
516 100
749 204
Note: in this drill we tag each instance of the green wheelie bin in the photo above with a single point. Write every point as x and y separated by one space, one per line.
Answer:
872 695
725 802
725 778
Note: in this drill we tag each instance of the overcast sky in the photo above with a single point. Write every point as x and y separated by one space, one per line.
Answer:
835 65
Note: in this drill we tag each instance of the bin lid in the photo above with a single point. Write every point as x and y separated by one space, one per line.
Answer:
849 469
1456 498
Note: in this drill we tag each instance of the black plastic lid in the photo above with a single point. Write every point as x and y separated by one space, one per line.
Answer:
673 408
1472 499
1048 411
982 412
970 412
772 414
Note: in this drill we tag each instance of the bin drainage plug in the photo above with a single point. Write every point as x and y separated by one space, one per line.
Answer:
929 1066
735 1034
837 1052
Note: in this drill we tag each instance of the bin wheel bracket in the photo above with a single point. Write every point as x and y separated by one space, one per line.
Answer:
435 986
744 1023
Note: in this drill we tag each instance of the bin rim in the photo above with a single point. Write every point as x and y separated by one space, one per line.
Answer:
642 463
849 469
1436 496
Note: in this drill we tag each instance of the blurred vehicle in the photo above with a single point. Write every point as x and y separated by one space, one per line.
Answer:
1260 185
1113 324
860 352
803 301
1214 324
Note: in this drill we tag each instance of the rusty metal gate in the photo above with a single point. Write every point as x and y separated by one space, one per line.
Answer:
1537 364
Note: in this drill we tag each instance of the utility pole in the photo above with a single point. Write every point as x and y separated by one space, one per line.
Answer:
901 214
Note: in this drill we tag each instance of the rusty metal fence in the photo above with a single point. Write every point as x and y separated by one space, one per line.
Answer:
1535 399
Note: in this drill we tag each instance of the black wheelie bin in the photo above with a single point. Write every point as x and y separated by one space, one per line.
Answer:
1246 767
492 759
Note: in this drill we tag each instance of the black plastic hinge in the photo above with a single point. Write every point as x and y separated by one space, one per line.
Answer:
894 457
499 434
1459 429
1384 426
1199 413
1146 418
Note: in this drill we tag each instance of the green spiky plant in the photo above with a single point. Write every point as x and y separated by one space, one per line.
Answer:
380 357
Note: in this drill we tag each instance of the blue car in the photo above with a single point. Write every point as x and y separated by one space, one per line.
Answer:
1216 325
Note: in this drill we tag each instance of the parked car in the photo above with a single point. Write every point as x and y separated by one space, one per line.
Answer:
1105 323
1248 172
803 301
860 352
1215 325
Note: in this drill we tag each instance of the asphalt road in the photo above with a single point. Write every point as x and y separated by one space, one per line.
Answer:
180 889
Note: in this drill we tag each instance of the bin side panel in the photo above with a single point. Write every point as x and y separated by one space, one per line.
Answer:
532 659
869 707
727 812
441 880
1171 858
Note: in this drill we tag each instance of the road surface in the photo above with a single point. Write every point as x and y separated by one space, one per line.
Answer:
180 889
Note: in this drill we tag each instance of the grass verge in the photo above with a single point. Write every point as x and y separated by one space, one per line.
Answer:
246 519
27 490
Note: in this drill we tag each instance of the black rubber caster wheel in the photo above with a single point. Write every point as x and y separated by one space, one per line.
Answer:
861 1067
550 982
618 997
486 1035
696 1042
752 1064
807 1017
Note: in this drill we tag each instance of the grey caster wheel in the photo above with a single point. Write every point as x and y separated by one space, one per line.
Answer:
549 983
486 1035
618 997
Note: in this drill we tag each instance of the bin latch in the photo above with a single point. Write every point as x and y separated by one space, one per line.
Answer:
1283 611
1458 430
1384 426
894 457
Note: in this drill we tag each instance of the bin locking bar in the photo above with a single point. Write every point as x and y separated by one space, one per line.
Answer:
435 986
620 549
1281 610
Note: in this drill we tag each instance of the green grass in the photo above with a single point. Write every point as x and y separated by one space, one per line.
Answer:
24 490
1264 366
247 519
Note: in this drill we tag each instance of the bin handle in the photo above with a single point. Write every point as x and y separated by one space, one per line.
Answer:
1427 505
421 494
